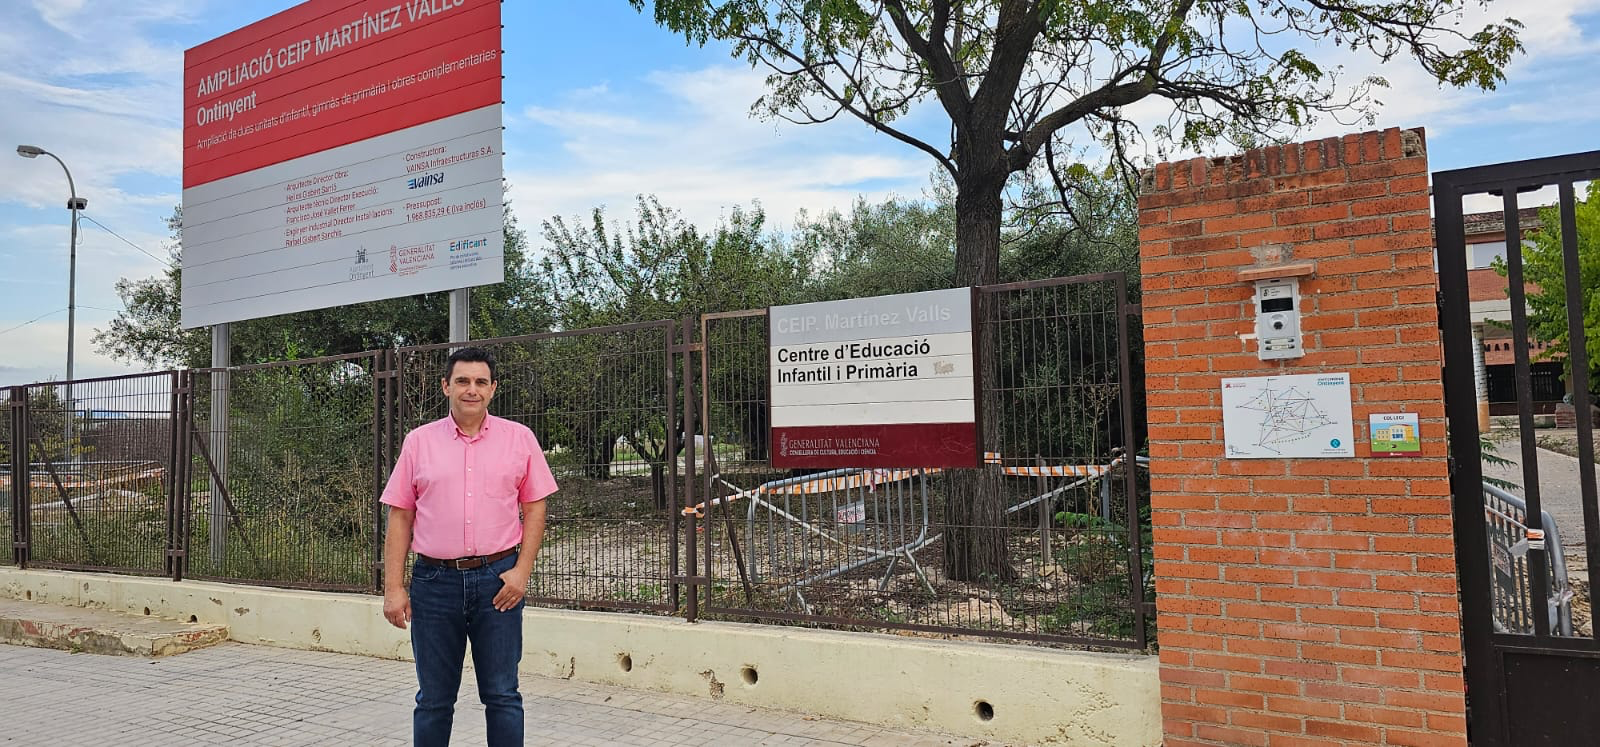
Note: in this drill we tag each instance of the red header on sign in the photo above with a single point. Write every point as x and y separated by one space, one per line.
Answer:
947 445
332 72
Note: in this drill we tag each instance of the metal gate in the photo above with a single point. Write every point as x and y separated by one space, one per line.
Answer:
1530 679
90 473
869 548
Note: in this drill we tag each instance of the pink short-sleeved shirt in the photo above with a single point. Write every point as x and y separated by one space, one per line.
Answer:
466 490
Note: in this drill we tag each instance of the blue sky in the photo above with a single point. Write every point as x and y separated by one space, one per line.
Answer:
601 105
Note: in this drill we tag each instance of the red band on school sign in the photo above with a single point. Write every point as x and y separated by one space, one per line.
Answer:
931 445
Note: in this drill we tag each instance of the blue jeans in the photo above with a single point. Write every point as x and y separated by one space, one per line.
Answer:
449 608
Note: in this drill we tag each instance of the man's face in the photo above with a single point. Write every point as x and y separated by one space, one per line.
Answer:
469 388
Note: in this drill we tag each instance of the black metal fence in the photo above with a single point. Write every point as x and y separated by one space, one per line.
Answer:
604 405
658 436
281 473
1047 541
91 472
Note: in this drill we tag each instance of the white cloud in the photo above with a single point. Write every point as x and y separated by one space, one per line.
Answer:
38 352
700 151
1555 42
91 82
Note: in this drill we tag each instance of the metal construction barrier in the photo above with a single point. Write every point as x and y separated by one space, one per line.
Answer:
1049 542
1506 518
814 527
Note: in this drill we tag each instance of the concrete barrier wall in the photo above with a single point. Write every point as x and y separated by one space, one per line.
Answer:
1010 693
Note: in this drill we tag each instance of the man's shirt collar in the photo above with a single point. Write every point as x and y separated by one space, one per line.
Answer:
456 431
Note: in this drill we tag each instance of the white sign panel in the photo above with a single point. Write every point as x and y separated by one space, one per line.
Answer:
1287 417
874 382
413 211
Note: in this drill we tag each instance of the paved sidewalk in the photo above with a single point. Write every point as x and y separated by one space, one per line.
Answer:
256 695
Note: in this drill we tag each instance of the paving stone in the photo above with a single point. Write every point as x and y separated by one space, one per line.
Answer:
256 695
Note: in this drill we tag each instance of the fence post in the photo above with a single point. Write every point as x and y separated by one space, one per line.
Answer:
1130 471
690 532
675 398
21 503
175 480
1300 598
384 393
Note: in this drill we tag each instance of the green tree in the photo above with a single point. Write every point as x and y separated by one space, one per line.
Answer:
1544 266
896 246
147 330
1016 79
658 267
48 416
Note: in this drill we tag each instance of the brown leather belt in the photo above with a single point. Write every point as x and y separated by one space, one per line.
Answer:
467 563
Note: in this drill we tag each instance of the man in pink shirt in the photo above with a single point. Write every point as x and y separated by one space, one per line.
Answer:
454 498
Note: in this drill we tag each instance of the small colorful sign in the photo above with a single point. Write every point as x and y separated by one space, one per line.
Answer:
1395 434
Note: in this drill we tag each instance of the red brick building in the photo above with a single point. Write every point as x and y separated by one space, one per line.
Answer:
1491 320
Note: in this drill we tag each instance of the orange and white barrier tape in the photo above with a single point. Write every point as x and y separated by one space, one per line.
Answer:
44 481
1049 470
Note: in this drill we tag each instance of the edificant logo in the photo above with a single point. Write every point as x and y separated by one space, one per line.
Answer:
461 245
361 269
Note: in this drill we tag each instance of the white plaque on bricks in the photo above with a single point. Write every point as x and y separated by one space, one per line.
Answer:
1287 417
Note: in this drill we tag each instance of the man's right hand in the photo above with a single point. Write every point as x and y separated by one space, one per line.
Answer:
397 607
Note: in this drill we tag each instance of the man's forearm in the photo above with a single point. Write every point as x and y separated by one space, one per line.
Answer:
396 545
533 515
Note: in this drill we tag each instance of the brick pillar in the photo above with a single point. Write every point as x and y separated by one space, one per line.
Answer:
1300 601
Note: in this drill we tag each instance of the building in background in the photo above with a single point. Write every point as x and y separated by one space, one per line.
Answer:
1495 356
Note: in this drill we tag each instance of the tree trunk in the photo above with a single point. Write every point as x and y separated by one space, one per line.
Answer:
975 535
757 428
599 448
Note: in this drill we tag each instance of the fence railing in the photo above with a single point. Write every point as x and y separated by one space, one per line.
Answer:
658 435
603 403
1511 589
1045 542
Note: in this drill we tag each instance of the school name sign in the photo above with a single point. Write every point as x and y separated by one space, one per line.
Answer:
887 381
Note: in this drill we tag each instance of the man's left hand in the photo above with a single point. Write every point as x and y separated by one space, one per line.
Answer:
516 581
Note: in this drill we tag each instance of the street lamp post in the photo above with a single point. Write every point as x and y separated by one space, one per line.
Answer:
74 204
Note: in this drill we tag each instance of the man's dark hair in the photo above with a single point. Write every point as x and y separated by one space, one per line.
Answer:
469 355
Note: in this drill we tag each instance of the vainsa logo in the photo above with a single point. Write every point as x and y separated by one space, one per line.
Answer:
465 244
426 180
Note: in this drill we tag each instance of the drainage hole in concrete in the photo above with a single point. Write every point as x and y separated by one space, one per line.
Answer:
983 710
625 661
193 619
27 596
147 610
750 675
